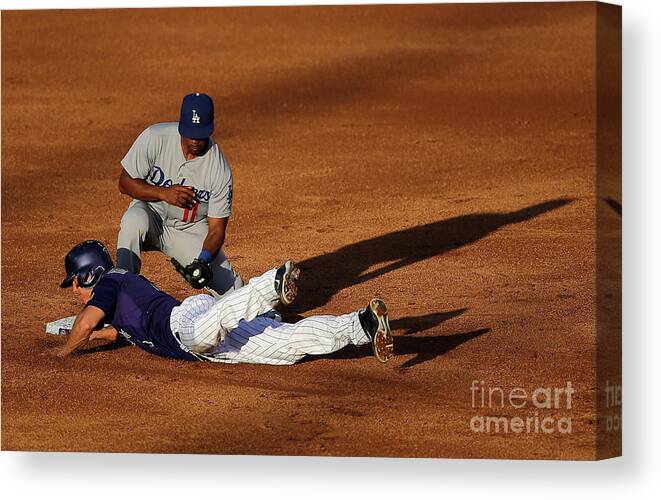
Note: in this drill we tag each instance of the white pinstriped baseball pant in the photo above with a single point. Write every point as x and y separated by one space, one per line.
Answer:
235 328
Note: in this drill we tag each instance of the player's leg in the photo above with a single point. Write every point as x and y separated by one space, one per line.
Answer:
202 322
139 230
186 245
269 341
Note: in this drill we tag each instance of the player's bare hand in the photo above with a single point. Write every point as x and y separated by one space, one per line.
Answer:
179 196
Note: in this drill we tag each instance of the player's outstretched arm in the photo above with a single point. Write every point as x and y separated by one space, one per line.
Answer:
82 329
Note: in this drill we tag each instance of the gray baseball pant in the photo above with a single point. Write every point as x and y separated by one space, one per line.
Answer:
142 229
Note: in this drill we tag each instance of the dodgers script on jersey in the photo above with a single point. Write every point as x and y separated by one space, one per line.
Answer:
156 157
139 312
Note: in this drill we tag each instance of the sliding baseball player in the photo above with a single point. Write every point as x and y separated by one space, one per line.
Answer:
240 327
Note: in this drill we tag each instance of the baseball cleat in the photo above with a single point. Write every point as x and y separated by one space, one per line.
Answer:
374 320
285 282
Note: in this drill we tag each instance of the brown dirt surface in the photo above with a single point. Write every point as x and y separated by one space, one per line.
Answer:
441 157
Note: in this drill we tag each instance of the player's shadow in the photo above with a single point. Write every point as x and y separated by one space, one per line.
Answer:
417 324
428 348
423 348
324 275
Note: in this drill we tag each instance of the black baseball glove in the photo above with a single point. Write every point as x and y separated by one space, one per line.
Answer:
198 273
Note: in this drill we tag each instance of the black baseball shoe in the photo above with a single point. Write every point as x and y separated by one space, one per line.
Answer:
374 320
285 282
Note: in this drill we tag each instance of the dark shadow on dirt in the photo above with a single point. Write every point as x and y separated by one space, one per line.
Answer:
424 348
417 324
110 346
428 348
324 275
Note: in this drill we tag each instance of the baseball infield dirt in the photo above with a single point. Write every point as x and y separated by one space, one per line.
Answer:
441 157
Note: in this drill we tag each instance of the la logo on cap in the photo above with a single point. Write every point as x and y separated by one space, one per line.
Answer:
196 116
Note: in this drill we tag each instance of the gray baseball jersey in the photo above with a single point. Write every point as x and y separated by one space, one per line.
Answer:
156 156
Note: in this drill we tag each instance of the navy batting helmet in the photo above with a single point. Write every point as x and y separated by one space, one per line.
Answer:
89 261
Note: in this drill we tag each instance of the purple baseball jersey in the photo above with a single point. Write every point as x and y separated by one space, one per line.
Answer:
139 312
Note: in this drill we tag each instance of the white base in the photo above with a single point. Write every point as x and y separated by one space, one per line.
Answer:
61 326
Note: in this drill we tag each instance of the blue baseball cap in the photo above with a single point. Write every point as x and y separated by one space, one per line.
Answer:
196 117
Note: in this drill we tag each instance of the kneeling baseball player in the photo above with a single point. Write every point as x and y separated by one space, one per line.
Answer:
240 327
